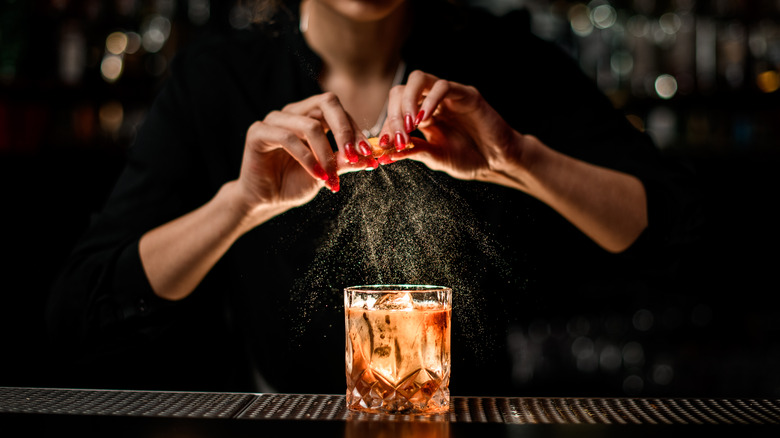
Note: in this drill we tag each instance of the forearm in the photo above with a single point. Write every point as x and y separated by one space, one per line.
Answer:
176 256
608 206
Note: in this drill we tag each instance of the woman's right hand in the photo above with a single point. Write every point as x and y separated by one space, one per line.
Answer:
288 158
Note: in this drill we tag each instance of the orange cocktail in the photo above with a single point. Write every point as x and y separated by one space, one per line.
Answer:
398 348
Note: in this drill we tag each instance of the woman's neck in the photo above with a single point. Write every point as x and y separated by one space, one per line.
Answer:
362 50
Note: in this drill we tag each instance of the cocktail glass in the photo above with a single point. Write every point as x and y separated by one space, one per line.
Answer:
398 348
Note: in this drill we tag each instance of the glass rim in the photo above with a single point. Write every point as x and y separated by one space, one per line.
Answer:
396 288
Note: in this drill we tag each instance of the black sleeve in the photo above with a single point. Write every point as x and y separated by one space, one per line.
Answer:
102 291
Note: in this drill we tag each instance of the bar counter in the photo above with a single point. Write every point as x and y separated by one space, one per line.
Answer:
123 413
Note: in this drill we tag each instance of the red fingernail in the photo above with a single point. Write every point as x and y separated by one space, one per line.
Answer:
419 118
320 172
384 141
400 144
349 151
408 123
384 159
334 184
372 163
364 148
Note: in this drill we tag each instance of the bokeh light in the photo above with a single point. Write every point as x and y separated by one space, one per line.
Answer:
638 26
643 320
198 11
670 23
633 385
621 62
240 17
73 56
633 354
133 42
579 19
154 33
665 86
768 81
116 43
111 115
582 347
111 67
610 358
603 16
663 374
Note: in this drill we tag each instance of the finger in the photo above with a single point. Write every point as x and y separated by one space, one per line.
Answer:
327 108
338 121
394 134
417 87
438 91
351 153
364 147
352 160
309 131
363 163
417 147
350 140
265 137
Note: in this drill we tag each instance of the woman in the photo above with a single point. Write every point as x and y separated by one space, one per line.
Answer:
240 138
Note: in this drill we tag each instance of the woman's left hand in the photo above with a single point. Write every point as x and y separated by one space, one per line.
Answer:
468 139
464 135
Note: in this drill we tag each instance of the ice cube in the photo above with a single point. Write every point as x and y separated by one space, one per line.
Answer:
394 301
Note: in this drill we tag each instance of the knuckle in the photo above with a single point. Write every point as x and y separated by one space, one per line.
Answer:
254 130
330 98
393 119
289 138
311 126
444 85
272 115
343 131
416 75
397 90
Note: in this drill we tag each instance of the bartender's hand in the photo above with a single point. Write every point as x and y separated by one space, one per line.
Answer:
287 156
287 160
468 139
464 135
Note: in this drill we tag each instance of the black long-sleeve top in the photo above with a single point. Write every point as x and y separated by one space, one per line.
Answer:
268 316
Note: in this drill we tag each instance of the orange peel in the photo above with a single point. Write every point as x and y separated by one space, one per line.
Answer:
377 150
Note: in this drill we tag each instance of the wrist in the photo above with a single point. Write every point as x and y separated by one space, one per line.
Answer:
246 212
513 167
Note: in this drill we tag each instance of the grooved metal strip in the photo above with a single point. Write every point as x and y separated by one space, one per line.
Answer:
534 410
510 410
131 403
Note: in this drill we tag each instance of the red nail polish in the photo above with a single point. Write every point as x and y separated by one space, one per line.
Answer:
334 184
320 172
384 159
400 144
419 118
408 123
384 141
372 163
364 148
349 151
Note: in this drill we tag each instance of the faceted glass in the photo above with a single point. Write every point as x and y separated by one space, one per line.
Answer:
398 348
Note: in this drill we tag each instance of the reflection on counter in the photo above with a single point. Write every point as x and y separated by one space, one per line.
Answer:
389 428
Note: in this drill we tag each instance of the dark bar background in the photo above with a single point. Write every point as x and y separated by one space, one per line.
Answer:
64 130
